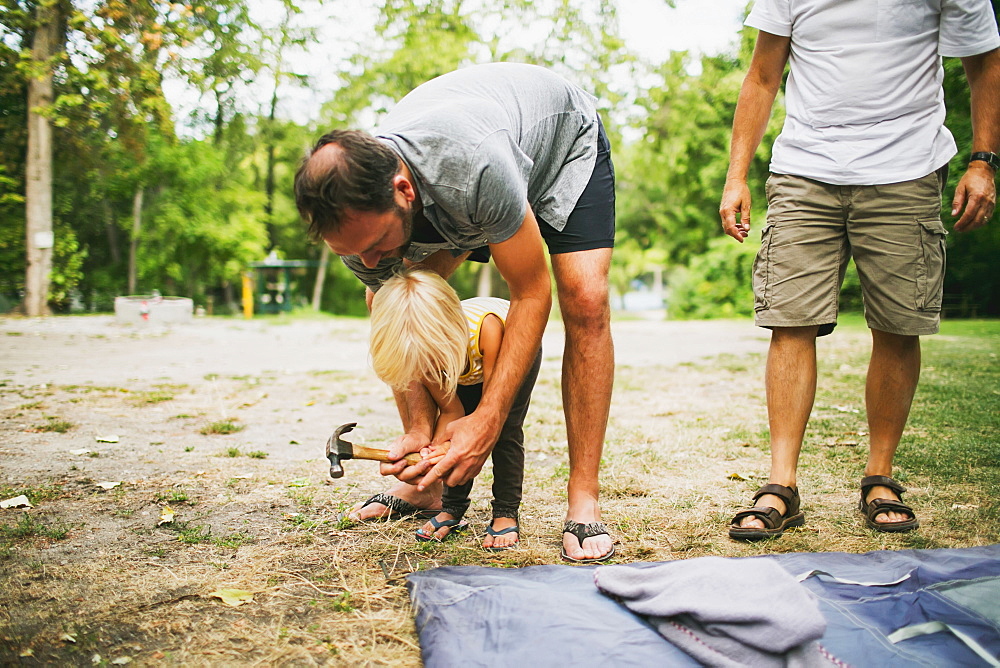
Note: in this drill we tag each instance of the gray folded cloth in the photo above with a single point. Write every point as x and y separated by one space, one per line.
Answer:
725 612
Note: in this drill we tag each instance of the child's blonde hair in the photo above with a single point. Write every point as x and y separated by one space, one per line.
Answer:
419 331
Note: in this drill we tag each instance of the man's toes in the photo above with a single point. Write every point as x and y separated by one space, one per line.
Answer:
371 511
597 546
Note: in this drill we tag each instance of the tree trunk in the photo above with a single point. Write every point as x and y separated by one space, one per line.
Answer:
324 260
485 288
38 186
112 231
133 246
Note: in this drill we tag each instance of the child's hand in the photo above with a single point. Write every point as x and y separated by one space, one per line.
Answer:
435 453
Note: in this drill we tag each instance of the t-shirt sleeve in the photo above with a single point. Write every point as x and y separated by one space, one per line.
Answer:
497 193
968 28
773 16
372 278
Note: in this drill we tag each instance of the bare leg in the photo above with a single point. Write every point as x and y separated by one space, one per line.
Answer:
790 380
892 381
587 379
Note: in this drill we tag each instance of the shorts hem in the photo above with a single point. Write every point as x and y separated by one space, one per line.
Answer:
771 324
925 330
582 246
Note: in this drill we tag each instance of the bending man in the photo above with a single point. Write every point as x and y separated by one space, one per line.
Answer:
490 159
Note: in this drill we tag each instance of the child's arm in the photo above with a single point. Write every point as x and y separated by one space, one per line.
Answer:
490 338
449 410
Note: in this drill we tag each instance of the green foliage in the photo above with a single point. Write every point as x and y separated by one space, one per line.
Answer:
714 284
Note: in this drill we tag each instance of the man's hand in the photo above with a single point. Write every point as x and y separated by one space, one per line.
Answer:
734 210
472 439
413 441
977 194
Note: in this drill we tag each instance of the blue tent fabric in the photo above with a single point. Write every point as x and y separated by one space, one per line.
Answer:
927 608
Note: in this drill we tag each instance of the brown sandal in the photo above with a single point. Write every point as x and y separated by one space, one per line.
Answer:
775 523
876 507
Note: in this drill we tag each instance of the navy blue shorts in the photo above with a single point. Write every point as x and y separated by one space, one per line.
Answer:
592 222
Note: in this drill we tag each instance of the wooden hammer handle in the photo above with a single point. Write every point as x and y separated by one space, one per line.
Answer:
380 455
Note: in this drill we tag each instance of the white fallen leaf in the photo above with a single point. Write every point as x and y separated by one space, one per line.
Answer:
27 652
16 502
95 659
67 638
107 484
110 438
121 661
81 451
234 597
963 506
167 516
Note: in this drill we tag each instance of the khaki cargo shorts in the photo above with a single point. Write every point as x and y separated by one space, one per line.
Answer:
893 232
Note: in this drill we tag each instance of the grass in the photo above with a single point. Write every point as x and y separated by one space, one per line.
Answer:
223 427
53 424
29 527
686 447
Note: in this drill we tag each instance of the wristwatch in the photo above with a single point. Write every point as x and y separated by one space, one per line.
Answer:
991 159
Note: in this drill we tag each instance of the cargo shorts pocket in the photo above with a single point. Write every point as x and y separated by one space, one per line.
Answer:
762 270
930 271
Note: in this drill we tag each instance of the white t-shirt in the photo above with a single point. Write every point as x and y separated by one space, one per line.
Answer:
863 99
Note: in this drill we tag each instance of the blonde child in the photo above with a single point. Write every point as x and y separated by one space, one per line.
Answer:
421 333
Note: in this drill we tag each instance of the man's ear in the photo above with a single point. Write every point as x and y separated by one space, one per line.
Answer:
404 187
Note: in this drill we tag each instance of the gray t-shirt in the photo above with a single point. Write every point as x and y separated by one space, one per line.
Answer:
484 141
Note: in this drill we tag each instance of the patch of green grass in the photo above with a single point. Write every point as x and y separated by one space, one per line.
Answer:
174 496
342 603
257 454
53 424
35 494
222 427
188 448
151 397
29 527
232 452
234 540
30 406
304 498
192 534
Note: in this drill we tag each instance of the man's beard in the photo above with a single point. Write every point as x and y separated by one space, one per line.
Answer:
406 219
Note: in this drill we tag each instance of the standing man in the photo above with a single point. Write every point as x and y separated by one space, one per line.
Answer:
857 171
493 158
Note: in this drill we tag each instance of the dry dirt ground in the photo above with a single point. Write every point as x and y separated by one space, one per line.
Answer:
95 574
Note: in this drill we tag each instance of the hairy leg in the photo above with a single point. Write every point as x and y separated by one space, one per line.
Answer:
587 379
790 380
893 374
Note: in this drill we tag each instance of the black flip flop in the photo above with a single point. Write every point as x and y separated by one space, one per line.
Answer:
582 532
398 509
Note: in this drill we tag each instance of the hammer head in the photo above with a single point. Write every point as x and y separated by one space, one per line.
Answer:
338 450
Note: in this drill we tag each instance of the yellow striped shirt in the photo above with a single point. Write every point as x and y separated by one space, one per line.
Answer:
476 310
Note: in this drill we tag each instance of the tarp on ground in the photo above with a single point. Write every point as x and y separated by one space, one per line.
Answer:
928 608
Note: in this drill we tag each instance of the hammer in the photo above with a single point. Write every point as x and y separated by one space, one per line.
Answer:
338 450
